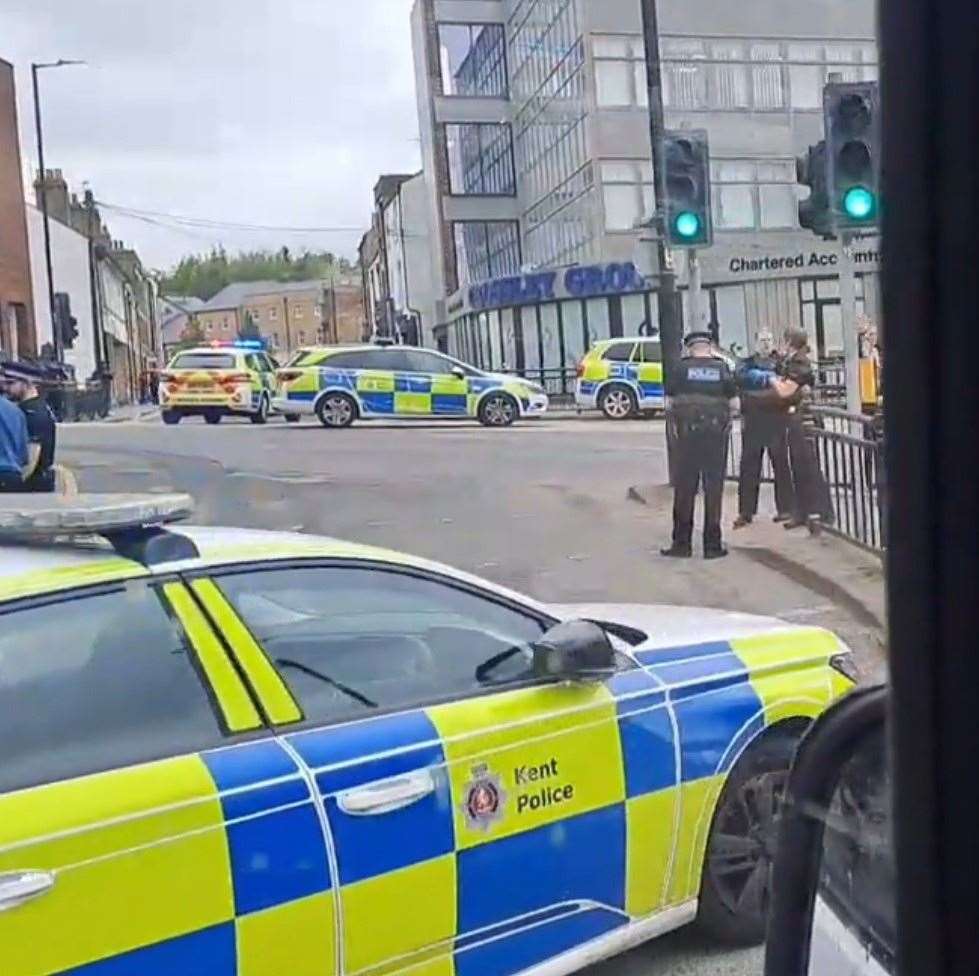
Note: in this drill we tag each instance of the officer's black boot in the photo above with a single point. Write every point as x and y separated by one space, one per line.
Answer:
677 551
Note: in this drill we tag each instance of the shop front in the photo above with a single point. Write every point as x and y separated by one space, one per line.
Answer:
541 324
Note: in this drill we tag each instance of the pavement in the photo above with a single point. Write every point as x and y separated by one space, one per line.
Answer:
567 510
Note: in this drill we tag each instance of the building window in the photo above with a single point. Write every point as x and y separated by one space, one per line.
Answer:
486 249
209 327
255 313
473 59
302 338
298 311
627 192
273 313
754 194
620 71
480 158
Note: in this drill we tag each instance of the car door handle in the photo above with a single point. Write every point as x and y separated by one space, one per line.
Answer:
18 887
388 795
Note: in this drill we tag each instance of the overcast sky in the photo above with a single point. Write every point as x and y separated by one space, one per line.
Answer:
262 112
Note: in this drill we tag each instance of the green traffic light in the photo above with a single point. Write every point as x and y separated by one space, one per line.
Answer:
858 203
687 224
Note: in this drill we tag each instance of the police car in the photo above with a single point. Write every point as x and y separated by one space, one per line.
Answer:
621 377
340 385
228 752
218 380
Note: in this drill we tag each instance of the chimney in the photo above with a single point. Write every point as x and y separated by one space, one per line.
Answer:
57 195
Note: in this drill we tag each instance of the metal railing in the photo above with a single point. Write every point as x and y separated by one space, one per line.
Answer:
849 450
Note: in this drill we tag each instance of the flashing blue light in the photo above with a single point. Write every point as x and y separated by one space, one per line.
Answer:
250 344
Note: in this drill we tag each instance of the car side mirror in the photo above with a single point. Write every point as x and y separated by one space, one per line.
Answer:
576 650
458 372
834 906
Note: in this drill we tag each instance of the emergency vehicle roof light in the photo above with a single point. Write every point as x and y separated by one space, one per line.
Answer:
37 517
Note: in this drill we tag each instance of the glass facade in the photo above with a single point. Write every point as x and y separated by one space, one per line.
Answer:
473 60
547 83
486 249
480 159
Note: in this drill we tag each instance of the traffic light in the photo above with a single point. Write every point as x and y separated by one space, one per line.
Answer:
64 322
687 209
852 116
814 213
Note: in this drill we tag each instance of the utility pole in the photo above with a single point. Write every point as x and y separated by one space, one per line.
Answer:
35 68
55 331
669 321
98 339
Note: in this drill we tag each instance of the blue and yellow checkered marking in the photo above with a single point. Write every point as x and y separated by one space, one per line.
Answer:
277 849
365 752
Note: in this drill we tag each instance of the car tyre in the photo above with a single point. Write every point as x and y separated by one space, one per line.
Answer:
171 417
736 881
618 402
336 410
498 410
212 417
262 414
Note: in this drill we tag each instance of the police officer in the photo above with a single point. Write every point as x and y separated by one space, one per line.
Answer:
764 427
701 397
13 446
20 380
794 385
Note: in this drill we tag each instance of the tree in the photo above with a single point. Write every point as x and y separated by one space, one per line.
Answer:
204 275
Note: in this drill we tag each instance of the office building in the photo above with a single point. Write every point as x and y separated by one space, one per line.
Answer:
536 151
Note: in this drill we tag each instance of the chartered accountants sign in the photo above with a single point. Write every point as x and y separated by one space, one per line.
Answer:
578 281
813 259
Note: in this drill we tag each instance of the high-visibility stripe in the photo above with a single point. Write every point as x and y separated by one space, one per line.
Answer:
239 711
280 706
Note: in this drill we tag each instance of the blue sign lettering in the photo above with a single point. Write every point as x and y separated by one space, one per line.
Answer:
579 282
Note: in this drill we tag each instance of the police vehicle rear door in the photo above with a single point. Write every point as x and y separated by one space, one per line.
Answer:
478 819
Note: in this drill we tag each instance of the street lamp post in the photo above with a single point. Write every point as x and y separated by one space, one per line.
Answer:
35 68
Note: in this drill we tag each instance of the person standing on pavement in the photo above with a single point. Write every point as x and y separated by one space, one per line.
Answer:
13 446
701 397
20 380
764 427
794 388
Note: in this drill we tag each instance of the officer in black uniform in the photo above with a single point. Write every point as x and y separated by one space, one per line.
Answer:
764 423
701 397
20 380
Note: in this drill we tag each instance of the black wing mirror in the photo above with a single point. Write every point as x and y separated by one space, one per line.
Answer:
458 372
834 888
576 650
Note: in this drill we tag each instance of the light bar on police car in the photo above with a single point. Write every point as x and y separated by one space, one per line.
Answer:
29 516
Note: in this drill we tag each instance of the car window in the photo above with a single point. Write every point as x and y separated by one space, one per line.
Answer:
78 694
349 641
356 359
650 352
396 360
619 352
253 362
427 362
203 360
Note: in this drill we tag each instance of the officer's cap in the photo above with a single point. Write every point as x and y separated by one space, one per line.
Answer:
696 338
25 372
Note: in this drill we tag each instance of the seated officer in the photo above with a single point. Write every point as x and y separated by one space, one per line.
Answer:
20 380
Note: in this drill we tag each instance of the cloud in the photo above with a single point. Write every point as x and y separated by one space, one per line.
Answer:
252 111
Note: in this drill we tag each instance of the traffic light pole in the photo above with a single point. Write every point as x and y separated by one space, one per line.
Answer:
848 310
669 320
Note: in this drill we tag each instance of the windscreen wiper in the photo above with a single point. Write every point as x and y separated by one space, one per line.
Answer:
313 673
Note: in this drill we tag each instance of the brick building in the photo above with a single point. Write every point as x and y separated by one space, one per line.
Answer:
17 332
